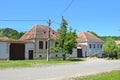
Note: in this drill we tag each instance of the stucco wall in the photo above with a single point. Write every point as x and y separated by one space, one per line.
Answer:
74 53
27 48
41 53
87 51
94 50
4 50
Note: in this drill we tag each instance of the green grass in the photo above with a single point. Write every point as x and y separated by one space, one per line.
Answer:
30 63
114 75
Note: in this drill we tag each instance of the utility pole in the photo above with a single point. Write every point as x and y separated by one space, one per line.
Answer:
48 42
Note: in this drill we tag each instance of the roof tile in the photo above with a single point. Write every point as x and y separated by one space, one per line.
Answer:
87 37
39 32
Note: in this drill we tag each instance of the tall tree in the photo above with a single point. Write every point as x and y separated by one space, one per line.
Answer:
66 40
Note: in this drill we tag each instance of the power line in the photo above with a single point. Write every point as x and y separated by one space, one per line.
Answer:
22 20
64 10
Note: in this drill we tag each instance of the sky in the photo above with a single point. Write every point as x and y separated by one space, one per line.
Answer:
99 16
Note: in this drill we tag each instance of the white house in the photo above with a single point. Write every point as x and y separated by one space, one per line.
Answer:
88 45
39 35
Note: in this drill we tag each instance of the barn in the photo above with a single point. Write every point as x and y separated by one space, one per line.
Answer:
16 49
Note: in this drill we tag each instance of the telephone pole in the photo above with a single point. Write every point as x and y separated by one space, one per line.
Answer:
48 42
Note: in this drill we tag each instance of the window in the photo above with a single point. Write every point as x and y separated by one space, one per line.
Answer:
40 56
90 46
101 46
56 55
97 45
40 44
44 32
46 44
94 45
56 43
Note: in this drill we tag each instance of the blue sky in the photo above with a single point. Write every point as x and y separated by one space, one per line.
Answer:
100 16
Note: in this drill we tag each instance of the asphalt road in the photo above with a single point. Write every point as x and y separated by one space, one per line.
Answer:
60 72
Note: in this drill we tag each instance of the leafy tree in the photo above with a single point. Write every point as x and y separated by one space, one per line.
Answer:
118 51
104 38
110 46
66 39
21 34
10 33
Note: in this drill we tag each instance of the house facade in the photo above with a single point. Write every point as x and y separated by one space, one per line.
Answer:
39 35
33 44
88 45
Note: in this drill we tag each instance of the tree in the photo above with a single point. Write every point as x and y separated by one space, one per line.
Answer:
93 33
110 47
66 39
10 33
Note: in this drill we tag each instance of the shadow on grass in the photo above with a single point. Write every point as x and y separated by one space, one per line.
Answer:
75 59
69 59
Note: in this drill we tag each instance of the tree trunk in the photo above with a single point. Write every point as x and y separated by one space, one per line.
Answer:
64 56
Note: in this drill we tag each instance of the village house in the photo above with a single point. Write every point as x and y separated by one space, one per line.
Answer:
33 44
39 35
88 45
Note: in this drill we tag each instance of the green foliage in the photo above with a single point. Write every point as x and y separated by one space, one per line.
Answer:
93 33
67 39
31 63
104 38
114 75
110 46
10 33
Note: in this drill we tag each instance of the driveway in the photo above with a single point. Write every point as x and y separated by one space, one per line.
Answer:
60 72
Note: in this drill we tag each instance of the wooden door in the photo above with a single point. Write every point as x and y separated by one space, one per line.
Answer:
79 53
30 54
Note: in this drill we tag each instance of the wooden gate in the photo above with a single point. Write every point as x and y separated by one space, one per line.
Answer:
17 51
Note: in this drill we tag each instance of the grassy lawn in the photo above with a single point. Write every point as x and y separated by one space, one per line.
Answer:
114 75
30 63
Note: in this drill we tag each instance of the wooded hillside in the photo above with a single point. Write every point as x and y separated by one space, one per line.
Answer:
10 33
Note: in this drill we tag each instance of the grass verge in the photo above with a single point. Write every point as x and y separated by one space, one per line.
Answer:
30 63
114 75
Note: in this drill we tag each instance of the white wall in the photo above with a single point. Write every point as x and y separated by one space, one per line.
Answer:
92 50
27 48
74 53
4 50
87 51
40 53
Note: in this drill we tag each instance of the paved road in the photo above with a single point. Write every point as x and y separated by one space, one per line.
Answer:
60 72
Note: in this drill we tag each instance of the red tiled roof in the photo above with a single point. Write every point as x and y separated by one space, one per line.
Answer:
21 41
87 37
39 32
4 39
